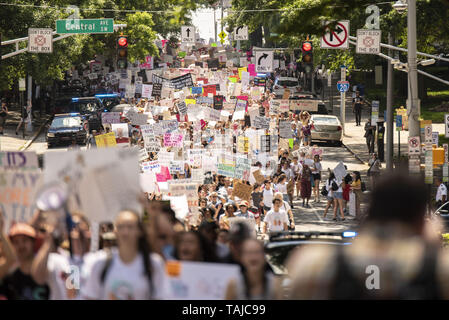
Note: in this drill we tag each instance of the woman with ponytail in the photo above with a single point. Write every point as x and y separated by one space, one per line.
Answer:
130 272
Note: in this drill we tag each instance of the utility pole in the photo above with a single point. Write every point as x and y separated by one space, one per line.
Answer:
390 86
215 25
343 100
413 101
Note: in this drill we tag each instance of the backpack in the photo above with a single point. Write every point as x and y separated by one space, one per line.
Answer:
334 186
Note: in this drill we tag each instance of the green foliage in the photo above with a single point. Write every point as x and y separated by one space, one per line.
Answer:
141 36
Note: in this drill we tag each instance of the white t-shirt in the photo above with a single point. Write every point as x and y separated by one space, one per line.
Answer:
126 281
276 220
268 197
282 187
442 191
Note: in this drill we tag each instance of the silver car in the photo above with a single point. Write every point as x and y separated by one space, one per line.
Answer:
326 128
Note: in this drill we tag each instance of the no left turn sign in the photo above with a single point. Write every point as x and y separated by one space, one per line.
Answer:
336 38
414 146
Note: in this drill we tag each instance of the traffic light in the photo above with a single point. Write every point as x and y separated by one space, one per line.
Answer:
307 56
122 52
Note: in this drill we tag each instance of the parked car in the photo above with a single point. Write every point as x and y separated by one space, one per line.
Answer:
443 213
282 83
66 127
326 128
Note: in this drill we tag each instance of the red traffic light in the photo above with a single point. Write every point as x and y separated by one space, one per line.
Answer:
306 46
122 42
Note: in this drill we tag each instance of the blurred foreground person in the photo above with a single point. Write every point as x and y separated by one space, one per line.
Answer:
256 280
396 256
131 272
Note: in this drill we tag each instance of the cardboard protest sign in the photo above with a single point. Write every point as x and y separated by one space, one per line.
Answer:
102 181
258 176
106 140
110 117
286 94
18 160
199 280
173 140
18 188
284 144
242 190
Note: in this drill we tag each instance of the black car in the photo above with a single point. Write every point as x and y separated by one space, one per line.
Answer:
108 100
90 108
281 244
66 127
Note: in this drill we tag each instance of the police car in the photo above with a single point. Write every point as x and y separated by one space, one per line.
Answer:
65 128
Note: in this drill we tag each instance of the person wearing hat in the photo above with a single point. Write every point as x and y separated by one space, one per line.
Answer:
19 283
243 212
230 208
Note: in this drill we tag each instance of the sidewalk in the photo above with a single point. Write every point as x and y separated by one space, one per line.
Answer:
354 140
9 141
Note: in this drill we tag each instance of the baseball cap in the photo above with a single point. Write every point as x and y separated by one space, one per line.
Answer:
22 229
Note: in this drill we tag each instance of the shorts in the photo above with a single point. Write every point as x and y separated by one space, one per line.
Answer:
316 176
306 138
338 195
329 198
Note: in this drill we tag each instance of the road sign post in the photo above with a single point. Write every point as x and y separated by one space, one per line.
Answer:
241 33
264 61
40 40
429 155
338 38
188 34
85 26
368 41
343 86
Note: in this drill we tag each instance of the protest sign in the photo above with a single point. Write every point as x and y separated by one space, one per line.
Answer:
226 165
242 144
304 105
173 140
138 119
265 145
180 206
105 140
18 160
153 166
110 117
258 176
156 90
285 129
176 167
262 122
121 133
199 280
18 188
213 115
182 107
148 182
143 154
147 90
102 181
242 168
242 190
340 172
197 90
218 102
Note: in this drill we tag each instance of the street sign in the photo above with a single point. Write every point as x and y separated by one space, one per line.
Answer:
241 33
368 41
374 112
435 136
188 34
85 26
337 38
429 167
40 40
414 146
428 134
264 61
222 36
445 173
398 123
414 164
22 84
343 86
446 125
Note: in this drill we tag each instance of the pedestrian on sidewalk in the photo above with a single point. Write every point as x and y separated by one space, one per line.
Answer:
357 107
330 196
356 187
3 114
306 185
316 176
370 132
441 196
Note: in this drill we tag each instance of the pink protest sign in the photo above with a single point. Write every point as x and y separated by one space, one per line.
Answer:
164 175
252 69
173 140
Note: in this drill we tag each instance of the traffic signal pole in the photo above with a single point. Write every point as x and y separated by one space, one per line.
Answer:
343 100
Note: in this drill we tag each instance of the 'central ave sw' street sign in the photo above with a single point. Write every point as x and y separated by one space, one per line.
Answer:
85 26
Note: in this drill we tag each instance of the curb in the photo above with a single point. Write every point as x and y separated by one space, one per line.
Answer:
38 132
354 154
